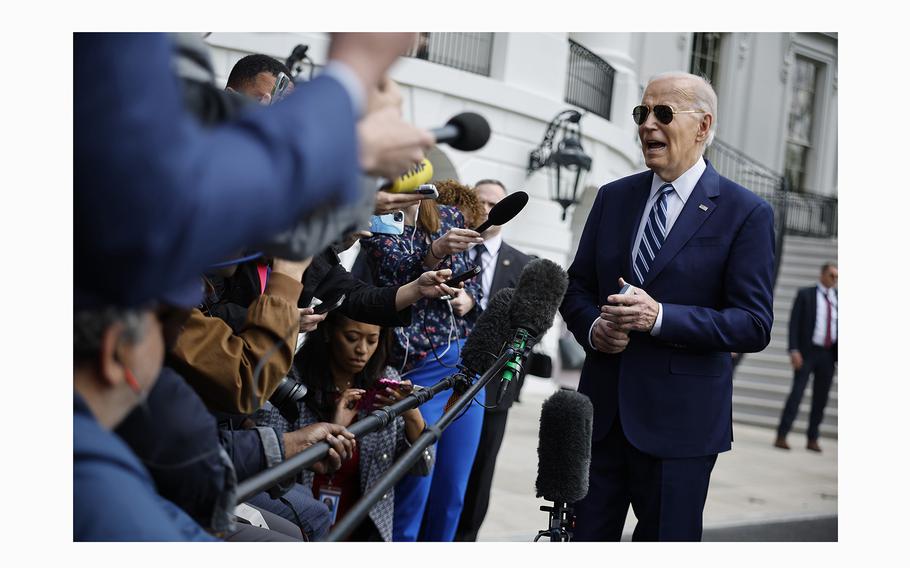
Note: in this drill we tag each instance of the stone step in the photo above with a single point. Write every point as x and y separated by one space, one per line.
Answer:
800 425
774 391
765 407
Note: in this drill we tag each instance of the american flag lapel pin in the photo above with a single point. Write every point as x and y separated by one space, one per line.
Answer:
703 207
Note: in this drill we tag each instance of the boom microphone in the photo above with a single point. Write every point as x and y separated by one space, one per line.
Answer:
564 449
489 334
467 132
485 342
539 293
504 211
563 459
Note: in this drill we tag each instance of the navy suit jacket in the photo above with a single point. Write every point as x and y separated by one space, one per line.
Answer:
714 277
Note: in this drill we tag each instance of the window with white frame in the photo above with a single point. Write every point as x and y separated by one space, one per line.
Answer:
705 61
800 122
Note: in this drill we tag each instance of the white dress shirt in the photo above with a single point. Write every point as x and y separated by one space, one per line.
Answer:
821 315
676 200
489 260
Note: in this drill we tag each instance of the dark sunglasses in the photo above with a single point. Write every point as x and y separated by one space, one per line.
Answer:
664 113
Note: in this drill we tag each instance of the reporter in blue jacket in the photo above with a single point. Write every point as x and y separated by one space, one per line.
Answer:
699 250
151 185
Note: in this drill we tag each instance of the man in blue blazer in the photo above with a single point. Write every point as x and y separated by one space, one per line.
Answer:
699 250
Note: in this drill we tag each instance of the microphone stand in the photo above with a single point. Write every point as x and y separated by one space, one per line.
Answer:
562 521
376 420
407 460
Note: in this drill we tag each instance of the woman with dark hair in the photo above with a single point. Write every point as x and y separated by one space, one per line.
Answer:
428 508
341 365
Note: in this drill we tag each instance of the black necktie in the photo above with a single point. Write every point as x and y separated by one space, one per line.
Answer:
478 251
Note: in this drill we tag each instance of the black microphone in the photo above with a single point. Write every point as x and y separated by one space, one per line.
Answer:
485 342
489 334
539 293
504 211
563 457
467 132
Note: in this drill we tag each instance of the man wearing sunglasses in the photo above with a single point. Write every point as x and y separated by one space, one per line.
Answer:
698 250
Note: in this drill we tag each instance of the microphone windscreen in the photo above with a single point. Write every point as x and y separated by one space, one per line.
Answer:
473 131
564 450
490 332
539 293
504 211
421 173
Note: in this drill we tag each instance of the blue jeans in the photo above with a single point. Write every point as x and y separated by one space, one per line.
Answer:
313 515
436 500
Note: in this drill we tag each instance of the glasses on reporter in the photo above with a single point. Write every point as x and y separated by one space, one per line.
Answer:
663 113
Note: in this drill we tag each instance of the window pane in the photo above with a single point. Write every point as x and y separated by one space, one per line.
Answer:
705 60
800 120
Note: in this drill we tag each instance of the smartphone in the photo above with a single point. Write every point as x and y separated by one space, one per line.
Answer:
429 190
325 307
368 401
466 275
388 224
283 87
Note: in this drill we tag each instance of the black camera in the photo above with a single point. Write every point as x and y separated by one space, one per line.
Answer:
286 397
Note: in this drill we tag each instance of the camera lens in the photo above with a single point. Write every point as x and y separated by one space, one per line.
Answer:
399 216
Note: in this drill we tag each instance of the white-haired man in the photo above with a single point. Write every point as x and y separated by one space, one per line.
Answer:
699 250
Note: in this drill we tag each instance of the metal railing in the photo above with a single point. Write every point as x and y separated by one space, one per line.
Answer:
795 213
468 51
589 81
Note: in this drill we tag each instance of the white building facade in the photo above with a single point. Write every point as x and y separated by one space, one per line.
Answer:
777 105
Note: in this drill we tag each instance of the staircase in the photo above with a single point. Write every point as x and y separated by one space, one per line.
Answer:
762 380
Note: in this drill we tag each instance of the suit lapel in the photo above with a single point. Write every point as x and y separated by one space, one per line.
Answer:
690 219
637 200
501 272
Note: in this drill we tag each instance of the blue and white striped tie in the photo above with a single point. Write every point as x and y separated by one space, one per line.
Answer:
655 234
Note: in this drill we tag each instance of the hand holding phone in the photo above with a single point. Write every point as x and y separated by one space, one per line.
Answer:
466 275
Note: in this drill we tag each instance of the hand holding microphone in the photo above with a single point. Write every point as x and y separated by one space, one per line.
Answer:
453 242
389 146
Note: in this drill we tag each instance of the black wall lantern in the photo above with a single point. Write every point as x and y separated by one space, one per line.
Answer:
567 163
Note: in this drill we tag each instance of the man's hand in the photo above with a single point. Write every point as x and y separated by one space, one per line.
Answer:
607 338
386 201
633 312
308 320
291 268
389 146
341 441
796 359
369 55
385 94
462 303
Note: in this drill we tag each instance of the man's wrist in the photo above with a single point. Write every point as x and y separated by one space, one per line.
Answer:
658 321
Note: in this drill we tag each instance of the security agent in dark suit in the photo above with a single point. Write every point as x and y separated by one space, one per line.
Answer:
502 265
699 250
813 351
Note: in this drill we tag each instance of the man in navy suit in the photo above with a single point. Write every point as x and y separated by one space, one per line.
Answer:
813 351
502 265
699 250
